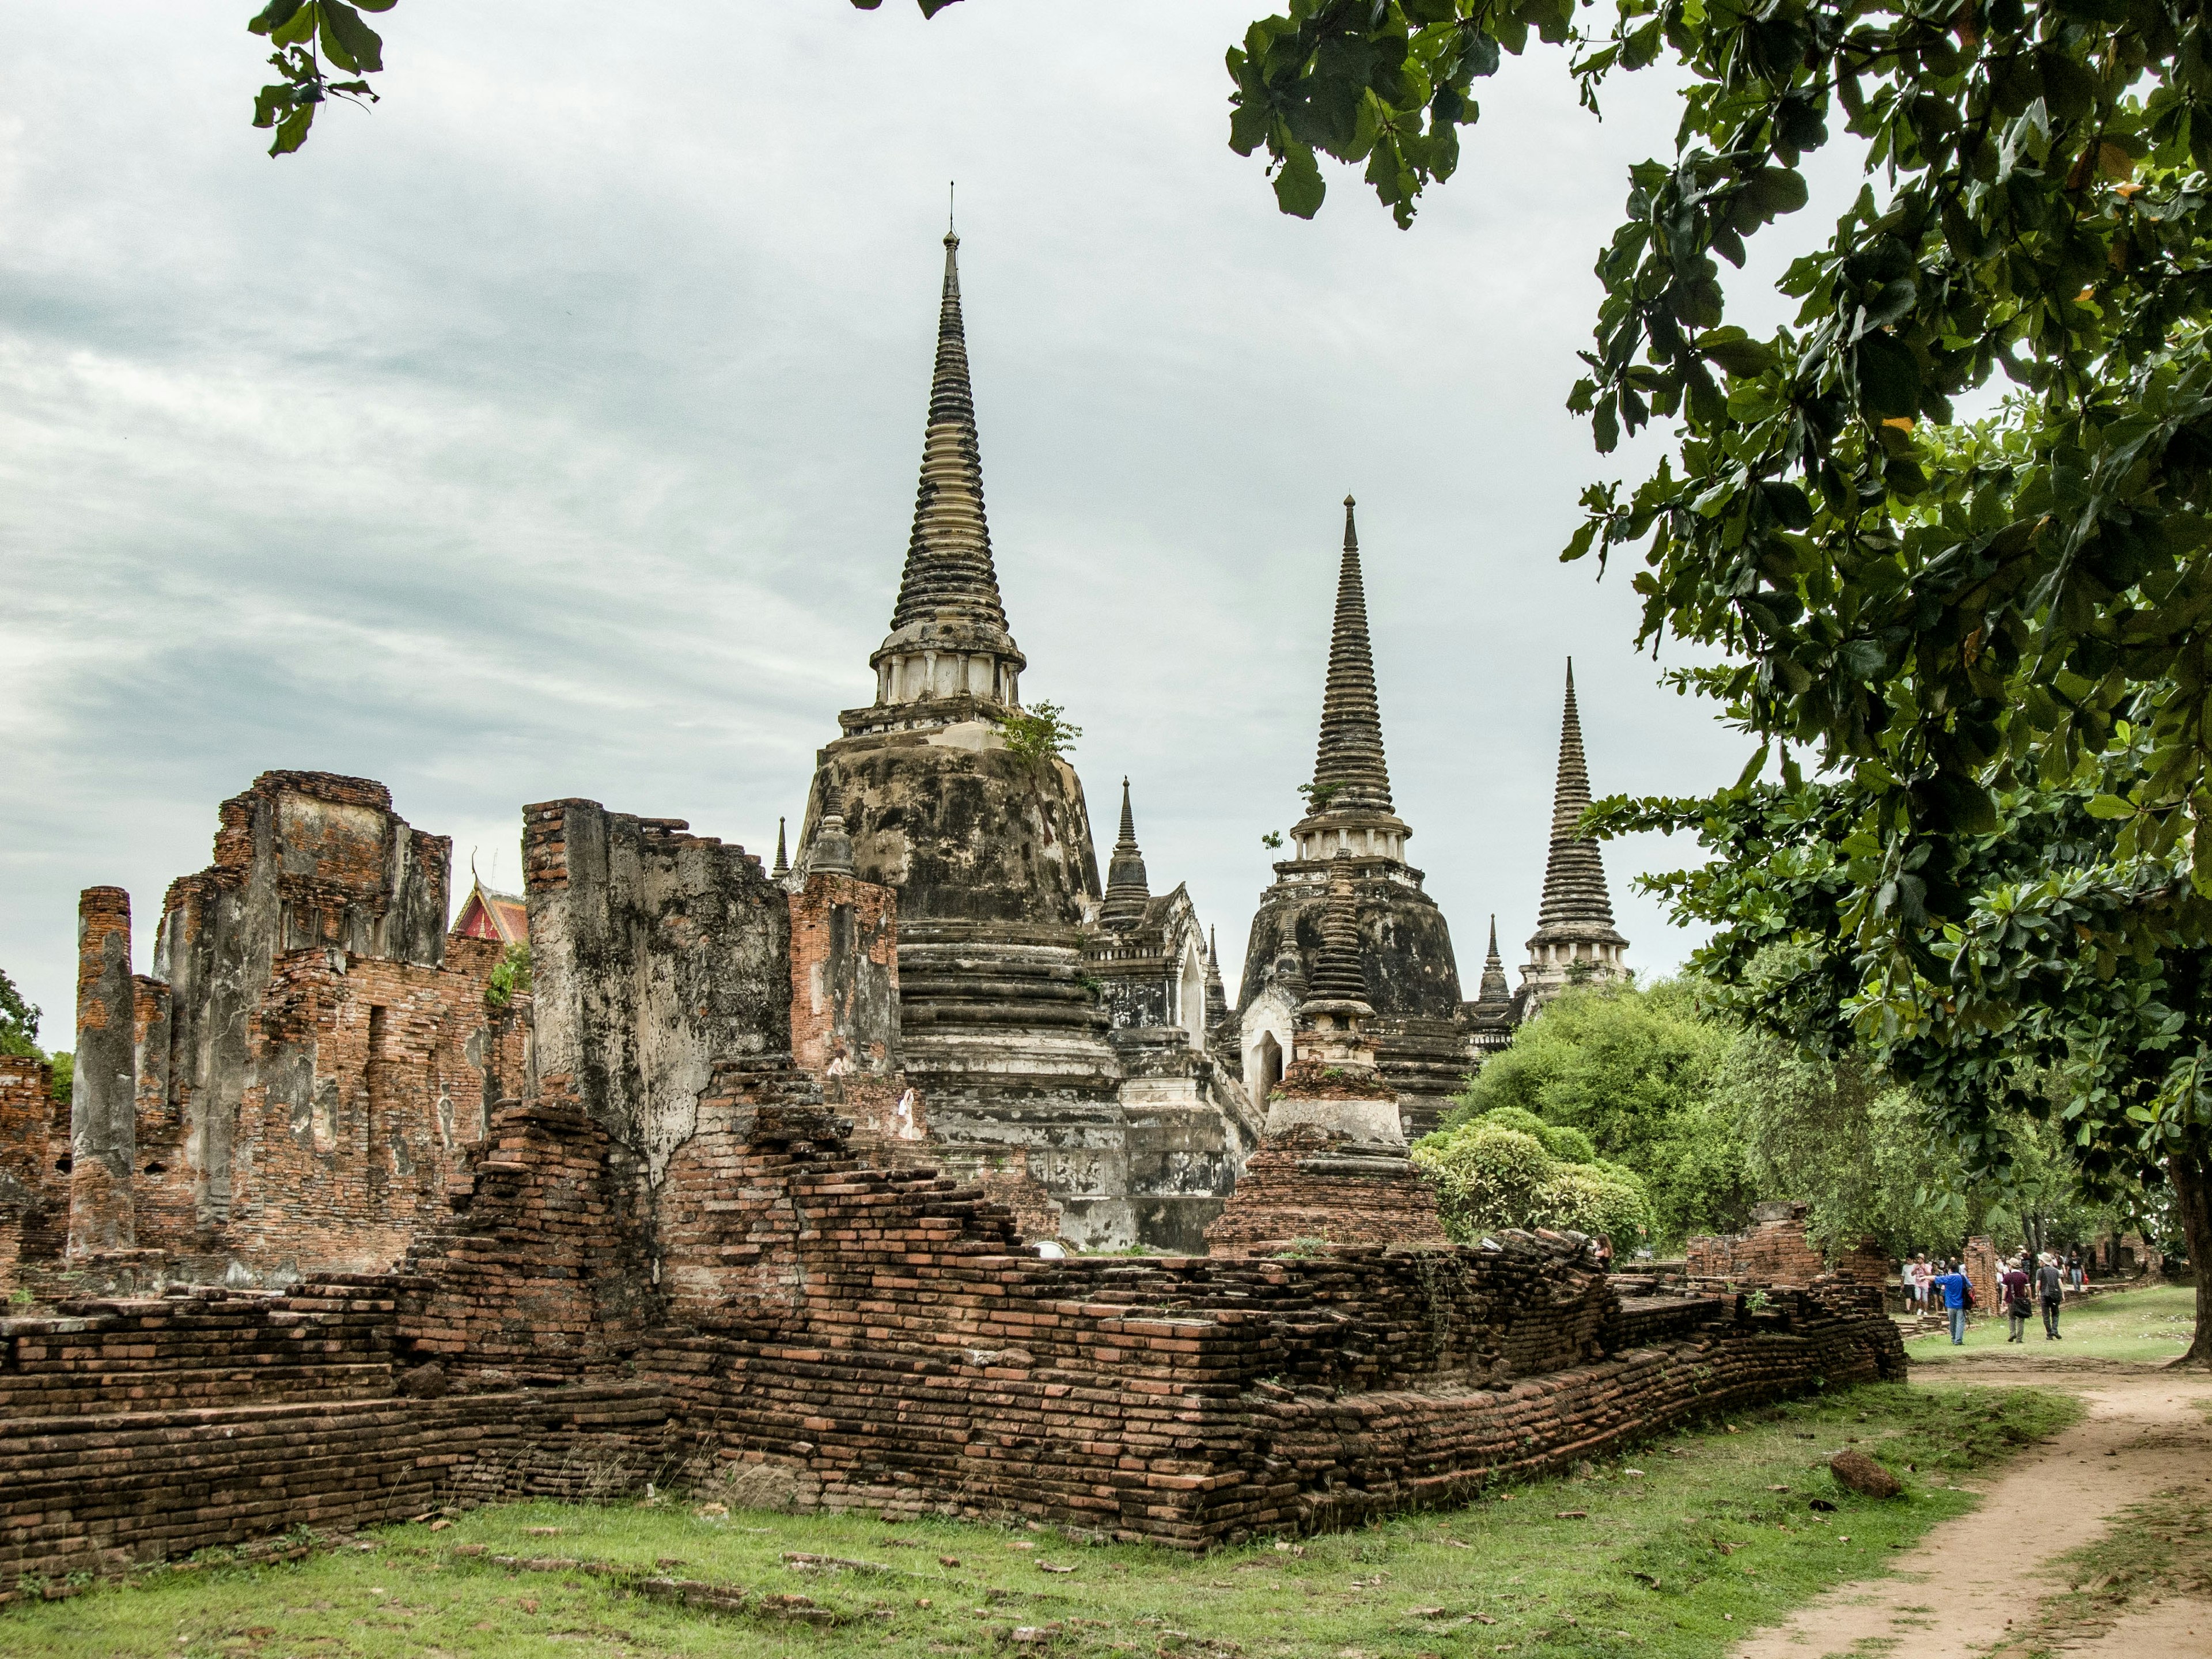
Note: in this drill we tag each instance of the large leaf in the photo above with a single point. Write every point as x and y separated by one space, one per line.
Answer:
1889 377
1298 185
349 42
274 16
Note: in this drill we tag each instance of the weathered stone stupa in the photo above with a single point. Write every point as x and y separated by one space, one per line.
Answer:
1490 1017
990 851
1332 1167
1575 939
1411 976
1003 1024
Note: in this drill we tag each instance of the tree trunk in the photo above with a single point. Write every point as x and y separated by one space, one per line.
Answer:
2191 1175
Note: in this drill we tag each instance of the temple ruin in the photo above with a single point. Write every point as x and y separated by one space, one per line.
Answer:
814 1185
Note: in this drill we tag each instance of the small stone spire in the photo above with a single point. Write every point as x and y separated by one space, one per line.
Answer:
1574 876
1494 988
782 864
1340 980
1216 995
1575 937
1127 887
1349 769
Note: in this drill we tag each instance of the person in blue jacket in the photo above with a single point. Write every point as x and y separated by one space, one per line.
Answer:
1951 1286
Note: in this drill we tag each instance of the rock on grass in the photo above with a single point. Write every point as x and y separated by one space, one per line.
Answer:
1854 1469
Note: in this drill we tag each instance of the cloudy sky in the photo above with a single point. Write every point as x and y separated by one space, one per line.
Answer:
552 430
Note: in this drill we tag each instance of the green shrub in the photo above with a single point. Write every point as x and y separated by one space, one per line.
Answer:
511 978
1512 1117
1035 737
1486 1177
1590 1198
1491 1173
1568 1145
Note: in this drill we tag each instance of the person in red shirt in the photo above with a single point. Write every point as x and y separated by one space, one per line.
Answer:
2014 1288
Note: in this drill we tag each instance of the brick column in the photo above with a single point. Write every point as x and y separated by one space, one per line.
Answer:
103 1112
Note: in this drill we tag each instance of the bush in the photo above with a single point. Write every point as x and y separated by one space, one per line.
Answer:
1592 1198
1561 1140
1512 1117
1486 1177
1491 1173
1569 1146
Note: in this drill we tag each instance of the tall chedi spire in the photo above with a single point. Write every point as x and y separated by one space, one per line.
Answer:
1575 938
1349 808
1127 887
1351 834
988 849
1349 769
949 644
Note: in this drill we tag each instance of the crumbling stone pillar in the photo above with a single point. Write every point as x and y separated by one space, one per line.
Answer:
103 1113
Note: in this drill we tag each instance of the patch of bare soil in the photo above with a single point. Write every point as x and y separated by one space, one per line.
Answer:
1977 1582
2179 1629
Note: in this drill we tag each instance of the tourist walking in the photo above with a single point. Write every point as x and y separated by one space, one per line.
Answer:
1951 1284
2074 1270
1918 1273
2014 1293
2050 1287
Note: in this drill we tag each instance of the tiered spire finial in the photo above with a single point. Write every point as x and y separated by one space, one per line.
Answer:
1349 769
1494 985
1574 876
949 574
1216 995
782 864
1128 887
1338 977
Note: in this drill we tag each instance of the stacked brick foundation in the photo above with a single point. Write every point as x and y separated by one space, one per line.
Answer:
895 1354
100 1494
136 1430
842 1336
1307 1188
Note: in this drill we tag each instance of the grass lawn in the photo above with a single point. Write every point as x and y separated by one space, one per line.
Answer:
2152 1324
1678 1549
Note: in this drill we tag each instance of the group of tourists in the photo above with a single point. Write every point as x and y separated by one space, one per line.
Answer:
2028 1281
2049 1279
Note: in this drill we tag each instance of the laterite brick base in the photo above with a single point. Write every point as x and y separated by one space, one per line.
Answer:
834 1335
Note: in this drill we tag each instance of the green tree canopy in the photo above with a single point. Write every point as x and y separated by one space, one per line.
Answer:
19 1020
1630 1072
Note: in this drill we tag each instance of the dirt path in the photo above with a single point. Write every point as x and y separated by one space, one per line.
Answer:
1954 1596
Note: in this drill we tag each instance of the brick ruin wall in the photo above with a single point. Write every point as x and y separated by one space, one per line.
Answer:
668 1257
34 1162
1310 1187
829 1335
288 1092
1779 1251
